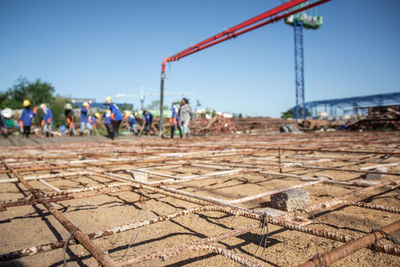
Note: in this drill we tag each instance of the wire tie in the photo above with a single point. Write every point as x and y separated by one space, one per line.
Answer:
71 234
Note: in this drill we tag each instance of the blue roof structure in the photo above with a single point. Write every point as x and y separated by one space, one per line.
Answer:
351 105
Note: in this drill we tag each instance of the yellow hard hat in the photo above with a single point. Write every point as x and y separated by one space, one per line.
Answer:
42 105
108 111
97 115
108 100
127 113
85 104
26 103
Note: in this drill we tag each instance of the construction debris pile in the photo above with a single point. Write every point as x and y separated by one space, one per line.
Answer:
317 125
383 117
216 125
257 200
259 124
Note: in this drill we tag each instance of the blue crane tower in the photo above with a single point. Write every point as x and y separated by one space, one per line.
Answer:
298 22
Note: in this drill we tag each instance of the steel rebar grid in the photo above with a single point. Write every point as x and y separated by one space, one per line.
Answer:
234 212
100 255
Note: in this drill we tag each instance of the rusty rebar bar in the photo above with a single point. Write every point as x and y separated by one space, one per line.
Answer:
177 250
374 207
236 257
353 246
94 250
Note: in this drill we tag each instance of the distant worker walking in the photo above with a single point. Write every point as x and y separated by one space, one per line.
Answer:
185 114
132 124
147 121
107 122
174 120
69 115
3 126
92 121
116 117
85 119
47 121
26 118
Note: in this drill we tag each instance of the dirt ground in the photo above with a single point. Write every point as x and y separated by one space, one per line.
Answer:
340 156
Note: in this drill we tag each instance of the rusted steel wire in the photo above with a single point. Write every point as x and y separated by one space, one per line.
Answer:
64 193
349 170
393 153
130 162
353 246
94 250
64 197
323 180
340 200
177 250
374 207
59 244
236 257
46 176
248 214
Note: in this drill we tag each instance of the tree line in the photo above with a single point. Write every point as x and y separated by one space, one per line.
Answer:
36 92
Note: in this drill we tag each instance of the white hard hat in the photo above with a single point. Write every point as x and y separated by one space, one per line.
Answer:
7 113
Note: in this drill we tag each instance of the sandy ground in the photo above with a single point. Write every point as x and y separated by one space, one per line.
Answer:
27 226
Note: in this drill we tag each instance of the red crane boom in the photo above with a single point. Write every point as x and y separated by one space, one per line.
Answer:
263 19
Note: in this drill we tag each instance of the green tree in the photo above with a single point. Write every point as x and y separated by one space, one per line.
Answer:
57 108
289 113
37 92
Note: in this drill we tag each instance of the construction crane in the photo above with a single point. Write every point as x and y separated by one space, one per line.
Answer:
280 12
298 22
142 95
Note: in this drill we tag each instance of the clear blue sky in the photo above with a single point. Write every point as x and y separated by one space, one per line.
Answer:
100 48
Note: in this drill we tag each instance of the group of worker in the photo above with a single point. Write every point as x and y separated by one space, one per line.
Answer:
181 115
112 119
27 115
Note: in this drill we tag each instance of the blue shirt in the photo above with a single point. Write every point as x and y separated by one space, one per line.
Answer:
2 122
92 120
47 115
84 114
117 113
132 120
175 113
107 118
26 117
148 118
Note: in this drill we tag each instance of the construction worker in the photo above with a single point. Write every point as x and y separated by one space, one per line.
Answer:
92 121
85 119
107 122
147 121
47 120
26 118
8 121
3 126
69 115
132 124
174 120
185 114
116 117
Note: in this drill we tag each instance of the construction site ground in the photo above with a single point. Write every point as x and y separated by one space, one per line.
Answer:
224 169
